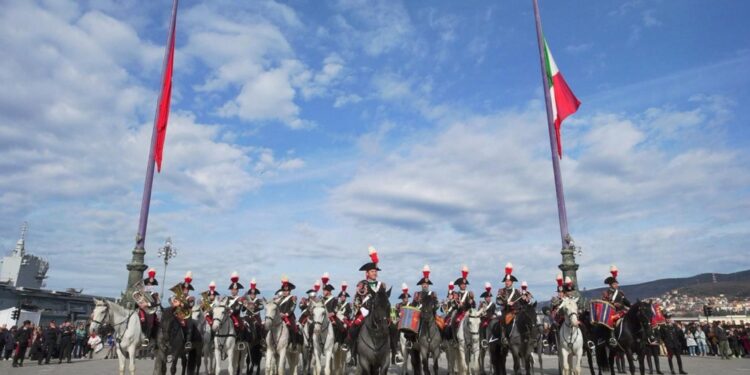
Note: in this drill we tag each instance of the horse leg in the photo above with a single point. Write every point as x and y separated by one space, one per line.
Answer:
631 363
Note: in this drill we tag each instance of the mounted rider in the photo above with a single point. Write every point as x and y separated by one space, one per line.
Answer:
486 306
254 304
208 298
509 297
463 303
617 298
286 303
365 295
343 314
148 306
182 307
425 293
525 294
237 301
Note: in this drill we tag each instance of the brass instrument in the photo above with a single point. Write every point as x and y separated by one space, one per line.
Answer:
205 301
183 311
141 295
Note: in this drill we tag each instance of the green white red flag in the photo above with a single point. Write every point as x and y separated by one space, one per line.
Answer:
564 102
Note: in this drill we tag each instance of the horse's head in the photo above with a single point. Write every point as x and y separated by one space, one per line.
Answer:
319 316
569 309
99 316
196 313
474 321
220 312
644 313
272 313
428 308
379 317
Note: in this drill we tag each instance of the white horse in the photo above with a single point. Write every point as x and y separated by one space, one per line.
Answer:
226 342
201 323
472 323
570 338
339 354
278 346
323 339
127 326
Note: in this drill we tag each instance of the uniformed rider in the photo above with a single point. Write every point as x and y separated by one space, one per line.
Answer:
617 298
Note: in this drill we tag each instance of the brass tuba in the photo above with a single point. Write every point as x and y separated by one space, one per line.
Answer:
182 312
140 295
205 301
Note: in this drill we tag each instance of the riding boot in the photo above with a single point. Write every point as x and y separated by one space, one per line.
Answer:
189 336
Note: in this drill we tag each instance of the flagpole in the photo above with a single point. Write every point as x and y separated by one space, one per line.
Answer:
568 266
137 266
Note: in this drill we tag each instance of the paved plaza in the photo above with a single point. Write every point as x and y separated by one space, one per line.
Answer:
694 366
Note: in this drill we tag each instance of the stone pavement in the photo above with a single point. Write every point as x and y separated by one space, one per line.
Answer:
693 365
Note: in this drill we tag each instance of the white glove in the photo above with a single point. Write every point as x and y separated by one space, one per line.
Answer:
364 311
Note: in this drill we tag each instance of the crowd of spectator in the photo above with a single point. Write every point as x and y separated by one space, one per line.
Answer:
45 344
718 339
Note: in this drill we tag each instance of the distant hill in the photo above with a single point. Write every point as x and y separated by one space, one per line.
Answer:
731 284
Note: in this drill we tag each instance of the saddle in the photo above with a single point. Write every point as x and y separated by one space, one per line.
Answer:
440 321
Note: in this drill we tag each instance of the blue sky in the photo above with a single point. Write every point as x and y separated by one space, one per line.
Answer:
301 132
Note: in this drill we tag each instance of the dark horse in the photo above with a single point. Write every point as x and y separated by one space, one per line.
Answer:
373 341
589 341
631 332
428 339
505 336
529 334
170 343
256 340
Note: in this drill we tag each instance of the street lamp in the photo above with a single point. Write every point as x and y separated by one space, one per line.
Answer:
167 252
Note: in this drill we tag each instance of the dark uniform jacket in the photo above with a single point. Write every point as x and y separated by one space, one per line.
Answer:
287 305
23 335
617 298
50 335
466 300
672 337
421 296
489 310
331 303
506 296
366 291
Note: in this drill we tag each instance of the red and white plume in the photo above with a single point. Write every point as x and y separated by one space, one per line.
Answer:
450 285
189 277
151 273
524 285
325 278
404 288
508 268
426 271
284 280
373 254
316 287
487 286
568 281
464 271
253 283
212 285
235 277
613 270
343 286
559 279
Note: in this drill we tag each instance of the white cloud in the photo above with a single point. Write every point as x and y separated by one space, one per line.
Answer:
376 26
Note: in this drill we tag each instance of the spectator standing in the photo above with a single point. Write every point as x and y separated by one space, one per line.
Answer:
700 339
67 336
22 339
672 336
690 340
4 333
95 343
111 345
49 342
10 343
80 347
36 352
722 337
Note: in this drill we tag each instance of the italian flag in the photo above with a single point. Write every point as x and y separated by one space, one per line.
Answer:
564 102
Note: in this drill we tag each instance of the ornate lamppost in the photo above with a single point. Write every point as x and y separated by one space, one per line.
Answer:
167 252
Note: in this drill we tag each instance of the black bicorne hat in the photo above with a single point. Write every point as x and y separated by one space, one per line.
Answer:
460 281
404 295
236 285
485 294
424 280
369 266
510 277
609 280
329 287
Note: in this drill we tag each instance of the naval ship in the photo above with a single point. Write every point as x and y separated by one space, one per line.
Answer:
22 285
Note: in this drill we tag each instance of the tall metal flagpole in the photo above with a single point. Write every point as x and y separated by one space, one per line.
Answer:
137 265
568 266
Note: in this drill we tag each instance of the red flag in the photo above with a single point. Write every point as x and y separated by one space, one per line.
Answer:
564 102
166 94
